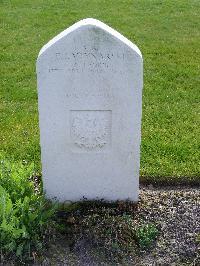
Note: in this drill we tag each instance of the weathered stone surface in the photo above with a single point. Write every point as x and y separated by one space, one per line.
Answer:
90 103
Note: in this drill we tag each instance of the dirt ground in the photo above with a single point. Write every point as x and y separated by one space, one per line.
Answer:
175 211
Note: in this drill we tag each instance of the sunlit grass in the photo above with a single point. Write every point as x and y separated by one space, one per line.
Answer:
168 34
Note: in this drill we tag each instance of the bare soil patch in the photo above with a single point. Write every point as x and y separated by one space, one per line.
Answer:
174 211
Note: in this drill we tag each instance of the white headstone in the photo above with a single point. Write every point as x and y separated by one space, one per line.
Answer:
90 102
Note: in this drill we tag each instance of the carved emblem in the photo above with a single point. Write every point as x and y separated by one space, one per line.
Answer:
90 129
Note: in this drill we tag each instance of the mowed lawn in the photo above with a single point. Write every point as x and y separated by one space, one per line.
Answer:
167 33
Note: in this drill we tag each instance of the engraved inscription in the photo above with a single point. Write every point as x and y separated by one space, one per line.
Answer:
87 59
91 130
87 93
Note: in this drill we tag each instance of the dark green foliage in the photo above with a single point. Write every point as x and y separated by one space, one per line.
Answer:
145 235
24 212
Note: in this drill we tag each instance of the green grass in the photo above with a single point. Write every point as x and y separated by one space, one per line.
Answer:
168 34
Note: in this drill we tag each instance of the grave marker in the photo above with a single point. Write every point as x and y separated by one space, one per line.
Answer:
90 102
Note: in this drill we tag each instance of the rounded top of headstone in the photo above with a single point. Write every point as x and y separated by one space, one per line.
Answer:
95 23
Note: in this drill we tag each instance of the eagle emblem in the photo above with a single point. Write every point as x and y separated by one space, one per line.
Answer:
90 129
